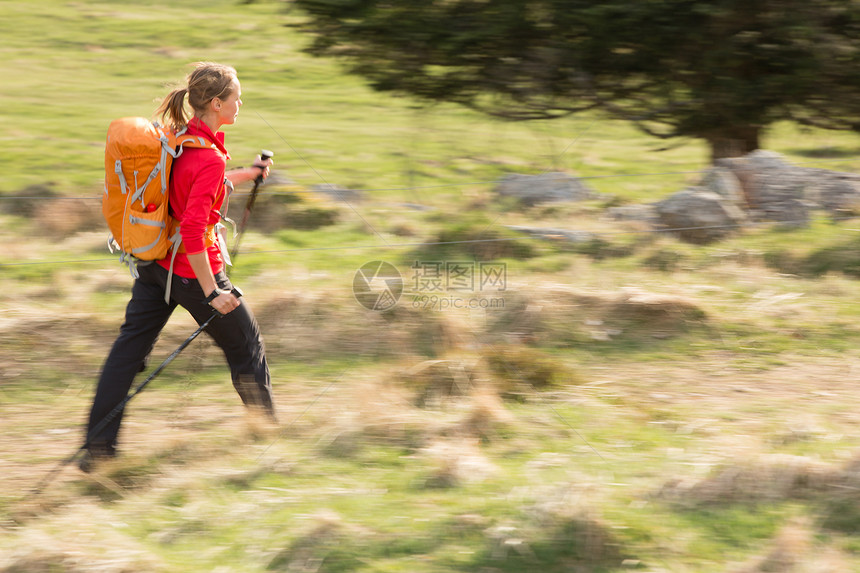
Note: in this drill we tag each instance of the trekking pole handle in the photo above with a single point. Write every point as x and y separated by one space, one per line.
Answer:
235 292
265 155
217 292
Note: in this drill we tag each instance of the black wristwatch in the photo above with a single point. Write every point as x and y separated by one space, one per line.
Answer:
213 295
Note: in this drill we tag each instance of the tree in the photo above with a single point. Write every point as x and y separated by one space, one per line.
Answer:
720 70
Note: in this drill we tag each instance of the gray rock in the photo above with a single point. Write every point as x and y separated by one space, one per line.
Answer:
788 210
763 160
699 216
554 234
773 188
760 186
724 182
644 213
544 188
338 193
838 193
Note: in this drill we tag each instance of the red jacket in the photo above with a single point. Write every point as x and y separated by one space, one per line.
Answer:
197 193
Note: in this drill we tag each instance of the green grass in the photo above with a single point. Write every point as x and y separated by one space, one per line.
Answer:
752 351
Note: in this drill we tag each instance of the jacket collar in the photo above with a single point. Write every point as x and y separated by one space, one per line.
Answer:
197 127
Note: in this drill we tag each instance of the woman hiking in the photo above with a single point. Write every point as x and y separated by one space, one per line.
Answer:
199 188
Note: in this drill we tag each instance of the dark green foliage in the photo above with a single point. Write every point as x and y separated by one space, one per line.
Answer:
28 201
310 218
841 513
284 211
839 258
599 248
521 370
665 260
719 70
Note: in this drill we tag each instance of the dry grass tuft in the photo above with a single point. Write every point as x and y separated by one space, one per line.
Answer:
63 218
506 370
787 551
659 312
320 543
521 370
778 477
793 551
257 426
563 316
79 541
315 324
592 538
456 462
568 518
42 562
432 382
372 410
486 416
768 478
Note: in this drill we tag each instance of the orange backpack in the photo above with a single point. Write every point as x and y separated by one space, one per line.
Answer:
138 157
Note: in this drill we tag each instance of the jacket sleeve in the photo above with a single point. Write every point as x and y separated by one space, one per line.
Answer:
205 185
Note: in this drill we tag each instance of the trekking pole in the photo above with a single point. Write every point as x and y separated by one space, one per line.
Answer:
265 155
121 406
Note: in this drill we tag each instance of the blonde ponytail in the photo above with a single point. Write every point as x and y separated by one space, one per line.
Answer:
172 109
207 82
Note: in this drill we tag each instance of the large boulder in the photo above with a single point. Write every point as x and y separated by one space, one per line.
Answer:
761 186
545 188
699 216
724 182
773 189
835 192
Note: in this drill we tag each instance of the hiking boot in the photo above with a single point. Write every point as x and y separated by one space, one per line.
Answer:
94 455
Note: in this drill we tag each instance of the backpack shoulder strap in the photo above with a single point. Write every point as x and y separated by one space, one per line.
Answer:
175 142
184 140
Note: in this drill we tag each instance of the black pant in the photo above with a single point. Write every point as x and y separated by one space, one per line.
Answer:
236 333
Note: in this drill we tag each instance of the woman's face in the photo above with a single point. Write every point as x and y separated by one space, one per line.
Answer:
229 107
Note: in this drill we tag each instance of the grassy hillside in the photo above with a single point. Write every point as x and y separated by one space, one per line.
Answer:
629 403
